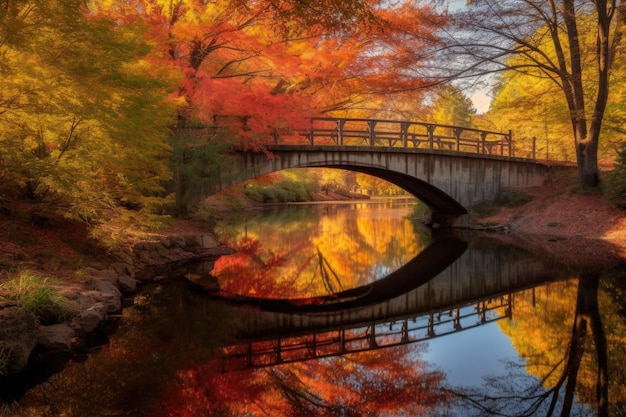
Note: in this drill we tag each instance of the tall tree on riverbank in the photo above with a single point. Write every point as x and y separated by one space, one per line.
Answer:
545 37
82 112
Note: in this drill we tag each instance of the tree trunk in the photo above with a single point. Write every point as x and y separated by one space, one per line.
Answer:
587 161
588 158
588 306
586 141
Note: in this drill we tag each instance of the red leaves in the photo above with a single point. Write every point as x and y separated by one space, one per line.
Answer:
371 383
263 68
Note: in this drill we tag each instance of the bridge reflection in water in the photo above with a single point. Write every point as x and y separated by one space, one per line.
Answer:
442 291
365 336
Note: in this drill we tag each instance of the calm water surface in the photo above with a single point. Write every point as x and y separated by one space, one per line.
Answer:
353 310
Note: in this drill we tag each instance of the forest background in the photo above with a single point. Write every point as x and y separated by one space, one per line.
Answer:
114 112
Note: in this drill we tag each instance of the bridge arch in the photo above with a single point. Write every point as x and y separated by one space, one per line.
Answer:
448 182
436 199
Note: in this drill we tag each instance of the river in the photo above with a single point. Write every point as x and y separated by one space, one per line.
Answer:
353 309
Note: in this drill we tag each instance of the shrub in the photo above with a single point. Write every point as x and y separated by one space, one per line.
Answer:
421 212
517 198
284 191
36 295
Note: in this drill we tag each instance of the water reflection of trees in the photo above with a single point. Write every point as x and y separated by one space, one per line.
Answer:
160 364
353 385
574 369
283 257
572 335
371 383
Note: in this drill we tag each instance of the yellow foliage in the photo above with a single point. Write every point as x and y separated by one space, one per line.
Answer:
84 112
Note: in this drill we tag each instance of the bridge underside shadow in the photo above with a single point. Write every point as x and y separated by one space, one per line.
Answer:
441 203
448 182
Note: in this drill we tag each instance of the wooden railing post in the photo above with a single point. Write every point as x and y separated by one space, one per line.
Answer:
510 140
457 136
483 138
404 133
340 123
372 127
431 136
534 151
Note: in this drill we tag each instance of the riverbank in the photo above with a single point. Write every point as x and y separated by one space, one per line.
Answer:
60 292
583 229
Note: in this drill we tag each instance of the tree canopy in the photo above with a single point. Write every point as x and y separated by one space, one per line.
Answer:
545 40
83 111
93 95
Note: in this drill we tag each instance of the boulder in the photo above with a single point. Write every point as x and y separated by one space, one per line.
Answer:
90 319
124 269
207 241
111 301
105 286
126 284
56 338
17 338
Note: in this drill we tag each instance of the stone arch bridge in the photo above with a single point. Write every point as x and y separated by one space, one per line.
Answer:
449 168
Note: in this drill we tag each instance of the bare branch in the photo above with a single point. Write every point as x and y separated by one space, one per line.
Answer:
70 138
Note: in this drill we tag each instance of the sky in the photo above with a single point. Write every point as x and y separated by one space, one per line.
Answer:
481 102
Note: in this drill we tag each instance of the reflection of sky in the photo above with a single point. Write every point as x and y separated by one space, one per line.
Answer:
468 356
379 270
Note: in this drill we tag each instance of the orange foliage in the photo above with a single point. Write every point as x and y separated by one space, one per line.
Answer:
369 383
262 67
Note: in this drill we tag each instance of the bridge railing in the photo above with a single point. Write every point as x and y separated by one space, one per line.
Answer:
365 336
401 134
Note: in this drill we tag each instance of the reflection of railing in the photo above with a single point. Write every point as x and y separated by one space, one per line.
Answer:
365 336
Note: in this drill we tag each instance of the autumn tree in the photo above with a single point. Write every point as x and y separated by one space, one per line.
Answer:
83 112
260 67
257 69
545 38
452 107
535 108
375 186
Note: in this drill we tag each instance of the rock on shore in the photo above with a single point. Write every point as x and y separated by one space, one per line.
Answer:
98 296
